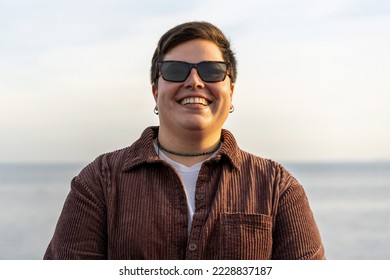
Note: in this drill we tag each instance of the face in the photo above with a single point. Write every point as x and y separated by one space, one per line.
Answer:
193 104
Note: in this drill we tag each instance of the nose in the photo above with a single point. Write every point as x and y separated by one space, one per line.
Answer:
193 80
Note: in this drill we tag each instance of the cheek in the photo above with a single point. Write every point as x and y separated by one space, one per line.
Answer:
166 91
223 92
224 86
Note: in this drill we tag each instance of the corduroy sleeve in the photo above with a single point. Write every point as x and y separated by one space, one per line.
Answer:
81 229
296 235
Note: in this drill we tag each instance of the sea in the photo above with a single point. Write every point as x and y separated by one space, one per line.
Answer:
350 202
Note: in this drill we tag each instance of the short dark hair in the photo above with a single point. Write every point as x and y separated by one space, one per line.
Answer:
191 31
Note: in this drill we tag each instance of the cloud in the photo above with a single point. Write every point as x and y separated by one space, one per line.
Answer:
313 75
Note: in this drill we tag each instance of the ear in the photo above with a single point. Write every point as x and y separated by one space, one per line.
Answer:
155 92
232 90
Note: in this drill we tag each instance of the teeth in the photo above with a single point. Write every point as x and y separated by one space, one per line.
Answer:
194 100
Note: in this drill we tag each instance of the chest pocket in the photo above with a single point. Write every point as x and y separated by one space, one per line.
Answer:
239 236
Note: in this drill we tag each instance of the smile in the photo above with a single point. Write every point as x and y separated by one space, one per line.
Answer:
194 100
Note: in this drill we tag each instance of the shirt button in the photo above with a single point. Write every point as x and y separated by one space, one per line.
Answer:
192 246
199 196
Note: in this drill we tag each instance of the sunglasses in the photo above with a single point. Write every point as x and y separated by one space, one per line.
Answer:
208 71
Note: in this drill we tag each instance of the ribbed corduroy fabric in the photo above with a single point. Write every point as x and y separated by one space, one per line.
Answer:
131 204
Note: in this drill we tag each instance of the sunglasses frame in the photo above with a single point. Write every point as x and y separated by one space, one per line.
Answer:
194 65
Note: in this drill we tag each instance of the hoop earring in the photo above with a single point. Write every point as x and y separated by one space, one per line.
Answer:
231 109
155 110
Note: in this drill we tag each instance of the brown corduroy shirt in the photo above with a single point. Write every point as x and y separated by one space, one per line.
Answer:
131 204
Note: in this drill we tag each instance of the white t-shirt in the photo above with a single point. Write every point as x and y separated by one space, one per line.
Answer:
188 176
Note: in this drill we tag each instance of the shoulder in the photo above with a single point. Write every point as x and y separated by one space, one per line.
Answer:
258 163
267 169
121 159
245 161
103 166
256 160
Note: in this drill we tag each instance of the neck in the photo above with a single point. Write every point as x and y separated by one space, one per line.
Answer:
188 154
197 144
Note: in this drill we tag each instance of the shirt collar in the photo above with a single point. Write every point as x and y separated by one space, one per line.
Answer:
142 150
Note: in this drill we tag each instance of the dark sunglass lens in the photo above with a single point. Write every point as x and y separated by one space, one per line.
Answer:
174 71
212 71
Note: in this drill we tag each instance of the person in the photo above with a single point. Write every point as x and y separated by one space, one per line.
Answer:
184 189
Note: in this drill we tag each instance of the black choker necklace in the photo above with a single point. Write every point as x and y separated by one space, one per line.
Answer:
188 154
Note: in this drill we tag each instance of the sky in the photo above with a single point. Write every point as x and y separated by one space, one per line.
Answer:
313 76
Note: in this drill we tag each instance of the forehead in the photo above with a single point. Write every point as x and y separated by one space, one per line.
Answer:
195 51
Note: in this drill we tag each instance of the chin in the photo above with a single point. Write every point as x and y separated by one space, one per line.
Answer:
196 126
